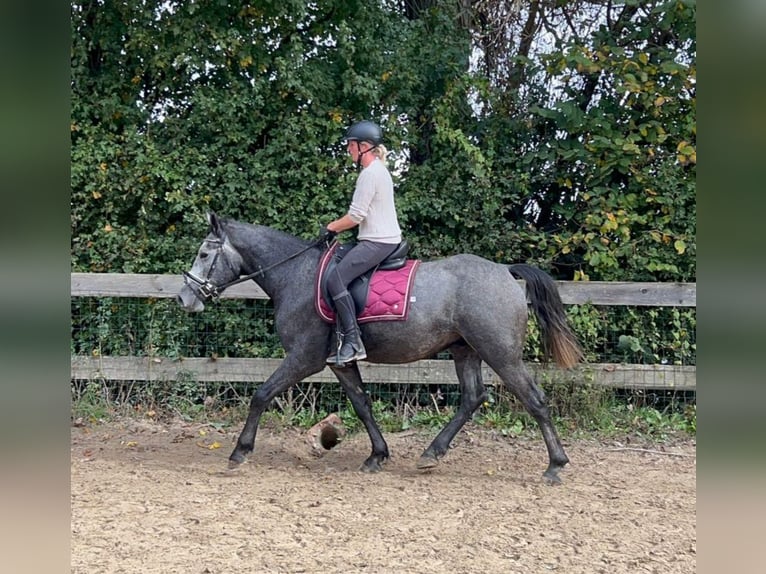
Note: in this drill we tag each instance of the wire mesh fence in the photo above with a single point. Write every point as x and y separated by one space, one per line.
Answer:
244 328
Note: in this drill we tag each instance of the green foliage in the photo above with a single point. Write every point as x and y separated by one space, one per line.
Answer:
643 335
579 410
584 163
90 401
624 149
183 106
429 418
647 422
158 328
507 423
188 105
184 397
653 336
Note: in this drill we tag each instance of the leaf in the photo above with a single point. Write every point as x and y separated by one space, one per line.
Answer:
211 446
680 246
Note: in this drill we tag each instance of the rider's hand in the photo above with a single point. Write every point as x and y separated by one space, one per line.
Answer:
325 234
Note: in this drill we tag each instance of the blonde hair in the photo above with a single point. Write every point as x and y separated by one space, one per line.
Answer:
380 152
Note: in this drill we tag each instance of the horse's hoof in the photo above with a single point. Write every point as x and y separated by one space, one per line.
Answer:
236 459
551 474
551 479
426 462
374 463
371 467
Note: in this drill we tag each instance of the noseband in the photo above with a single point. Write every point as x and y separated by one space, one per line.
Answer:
206 289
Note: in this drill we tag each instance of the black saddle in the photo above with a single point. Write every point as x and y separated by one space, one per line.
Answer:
360 287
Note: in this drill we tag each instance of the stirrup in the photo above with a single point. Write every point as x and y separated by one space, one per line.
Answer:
358 353
332 359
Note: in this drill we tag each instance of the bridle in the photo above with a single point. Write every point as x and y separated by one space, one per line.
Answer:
206 289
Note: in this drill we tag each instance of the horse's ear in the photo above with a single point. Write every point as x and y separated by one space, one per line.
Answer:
215 224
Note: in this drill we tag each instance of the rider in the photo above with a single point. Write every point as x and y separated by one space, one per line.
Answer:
373 210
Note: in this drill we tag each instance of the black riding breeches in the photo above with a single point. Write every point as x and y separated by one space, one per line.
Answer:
363 256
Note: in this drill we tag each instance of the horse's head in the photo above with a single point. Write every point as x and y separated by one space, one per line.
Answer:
217 263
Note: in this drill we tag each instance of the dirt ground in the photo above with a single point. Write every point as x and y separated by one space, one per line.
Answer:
157 498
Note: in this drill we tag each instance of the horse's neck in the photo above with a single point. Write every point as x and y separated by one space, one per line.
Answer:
263 248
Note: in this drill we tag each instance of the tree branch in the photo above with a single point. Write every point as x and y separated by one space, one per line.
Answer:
516 76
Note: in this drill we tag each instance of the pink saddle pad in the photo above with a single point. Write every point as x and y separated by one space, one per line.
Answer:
388 298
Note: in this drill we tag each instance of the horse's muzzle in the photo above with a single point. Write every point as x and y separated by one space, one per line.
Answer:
189 300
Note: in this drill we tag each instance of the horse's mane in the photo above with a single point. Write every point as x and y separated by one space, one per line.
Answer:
262 232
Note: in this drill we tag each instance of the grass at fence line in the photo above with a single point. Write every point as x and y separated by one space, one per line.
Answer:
580 410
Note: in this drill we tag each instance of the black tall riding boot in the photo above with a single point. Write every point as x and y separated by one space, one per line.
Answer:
350 338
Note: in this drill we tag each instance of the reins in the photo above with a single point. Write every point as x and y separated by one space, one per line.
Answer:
211 291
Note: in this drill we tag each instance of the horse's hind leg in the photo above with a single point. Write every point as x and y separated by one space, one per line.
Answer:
351 380
472 394
517 378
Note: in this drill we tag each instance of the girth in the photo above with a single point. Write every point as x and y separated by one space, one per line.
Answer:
359 288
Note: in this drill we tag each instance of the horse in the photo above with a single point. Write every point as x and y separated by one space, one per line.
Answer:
464 304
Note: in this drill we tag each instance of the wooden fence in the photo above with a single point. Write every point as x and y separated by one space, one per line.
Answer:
427 371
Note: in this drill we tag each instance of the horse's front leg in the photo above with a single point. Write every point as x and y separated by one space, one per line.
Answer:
292 370
351 380
472 394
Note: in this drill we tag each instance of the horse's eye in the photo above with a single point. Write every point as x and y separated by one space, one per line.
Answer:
203 255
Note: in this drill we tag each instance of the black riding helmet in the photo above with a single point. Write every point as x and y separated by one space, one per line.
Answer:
364 131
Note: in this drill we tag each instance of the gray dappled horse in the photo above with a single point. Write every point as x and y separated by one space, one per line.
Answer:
465 304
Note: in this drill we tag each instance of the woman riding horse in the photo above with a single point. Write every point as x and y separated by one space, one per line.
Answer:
373 210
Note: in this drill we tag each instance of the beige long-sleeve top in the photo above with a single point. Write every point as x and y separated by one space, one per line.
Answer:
372 206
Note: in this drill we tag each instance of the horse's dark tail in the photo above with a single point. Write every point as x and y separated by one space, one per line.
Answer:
559 342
